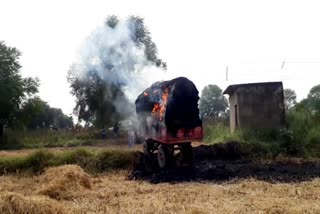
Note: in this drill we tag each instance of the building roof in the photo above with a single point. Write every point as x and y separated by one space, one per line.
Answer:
231 88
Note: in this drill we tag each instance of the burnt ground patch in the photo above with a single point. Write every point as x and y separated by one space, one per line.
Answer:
223 162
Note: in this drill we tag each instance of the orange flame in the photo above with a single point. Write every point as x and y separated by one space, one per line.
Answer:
155 110
159 109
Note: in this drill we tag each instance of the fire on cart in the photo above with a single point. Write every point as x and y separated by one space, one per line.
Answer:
168 116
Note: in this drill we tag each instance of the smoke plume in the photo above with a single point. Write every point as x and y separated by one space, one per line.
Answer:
116 55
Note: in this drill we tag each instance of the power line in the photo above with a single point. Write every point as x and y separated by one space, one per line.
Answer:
315 62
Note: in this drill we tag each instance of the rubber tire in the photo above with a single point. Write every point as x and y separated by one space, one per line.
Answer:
163 157
146 148
187 155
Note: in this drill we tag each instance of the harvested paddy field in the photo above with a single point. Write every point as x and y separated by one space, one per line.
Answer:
221 180
68 189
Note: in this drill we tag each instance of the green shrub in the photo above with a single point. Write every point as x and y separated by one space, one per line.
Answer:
87 142
313 136
296 140
91 161
35 162
43 138
108 160
305 127
82 157
73 143
313 141
214 133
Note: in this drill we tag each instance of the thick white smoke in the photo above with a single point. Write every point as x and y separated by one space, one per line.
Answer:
115 57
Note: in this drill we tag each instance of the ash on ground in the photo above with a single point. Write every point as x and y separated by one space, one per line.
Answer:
223 162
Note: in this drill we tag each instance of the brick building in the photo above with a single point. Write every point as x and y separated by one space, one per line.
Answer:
256 106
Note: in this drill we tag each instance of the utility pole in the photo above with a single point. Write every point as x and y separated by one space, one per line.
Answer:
227 74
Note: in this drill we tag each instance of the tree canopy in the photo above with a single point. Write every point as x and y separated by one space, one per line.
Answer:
290 98
111 55
36 113
13 88
313 99
212 102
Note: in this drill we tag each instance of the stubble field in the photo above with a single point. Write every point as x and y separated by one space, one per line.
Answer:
68 189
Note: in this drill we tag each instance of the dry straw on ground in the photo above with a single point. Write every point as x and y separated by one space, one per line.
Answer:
112 193
64 182
16 203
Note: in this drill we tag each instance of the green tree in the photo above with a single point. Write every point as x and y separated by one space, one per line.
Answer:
112 56
290 98
313 99
13 88
31 114
112 21
57 118
36 113
212 102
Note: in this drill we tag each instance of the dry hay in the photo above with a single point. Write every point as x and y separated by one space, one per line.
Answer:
113 193
242 196
17 203
64 182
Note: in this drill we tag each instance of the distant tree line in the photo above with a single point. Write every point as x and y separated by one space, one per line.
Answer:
19 107
36 113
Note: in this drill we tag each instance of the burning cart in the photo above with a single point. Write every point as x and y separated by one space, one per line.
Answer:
169 120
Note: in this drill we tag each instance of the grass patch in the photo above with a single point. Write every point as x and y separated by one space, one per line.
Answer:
42 138
34 162
215 133
90 160
289 141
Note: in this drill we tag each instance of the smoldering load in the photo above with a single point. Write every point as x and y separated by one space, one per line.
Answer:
170 106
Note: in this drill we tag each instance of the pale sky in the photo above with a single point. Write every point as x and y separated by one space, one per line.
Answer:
197 39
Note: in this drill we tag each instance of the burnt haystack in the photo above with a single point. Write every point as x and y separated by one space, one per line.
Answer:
171 104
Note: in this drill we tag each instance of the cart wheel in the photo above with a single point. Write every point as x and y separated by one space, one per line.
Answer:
163 156
186 151
146 148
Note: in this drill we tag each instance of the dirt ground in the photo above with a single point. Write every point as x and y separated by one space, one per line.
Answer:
74 191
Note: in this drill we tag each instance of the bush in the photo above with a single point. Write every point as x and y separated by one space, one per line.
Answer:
313 141
217 132
91 161
35 162
44 138
108 160
305 127
38 161
296 140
